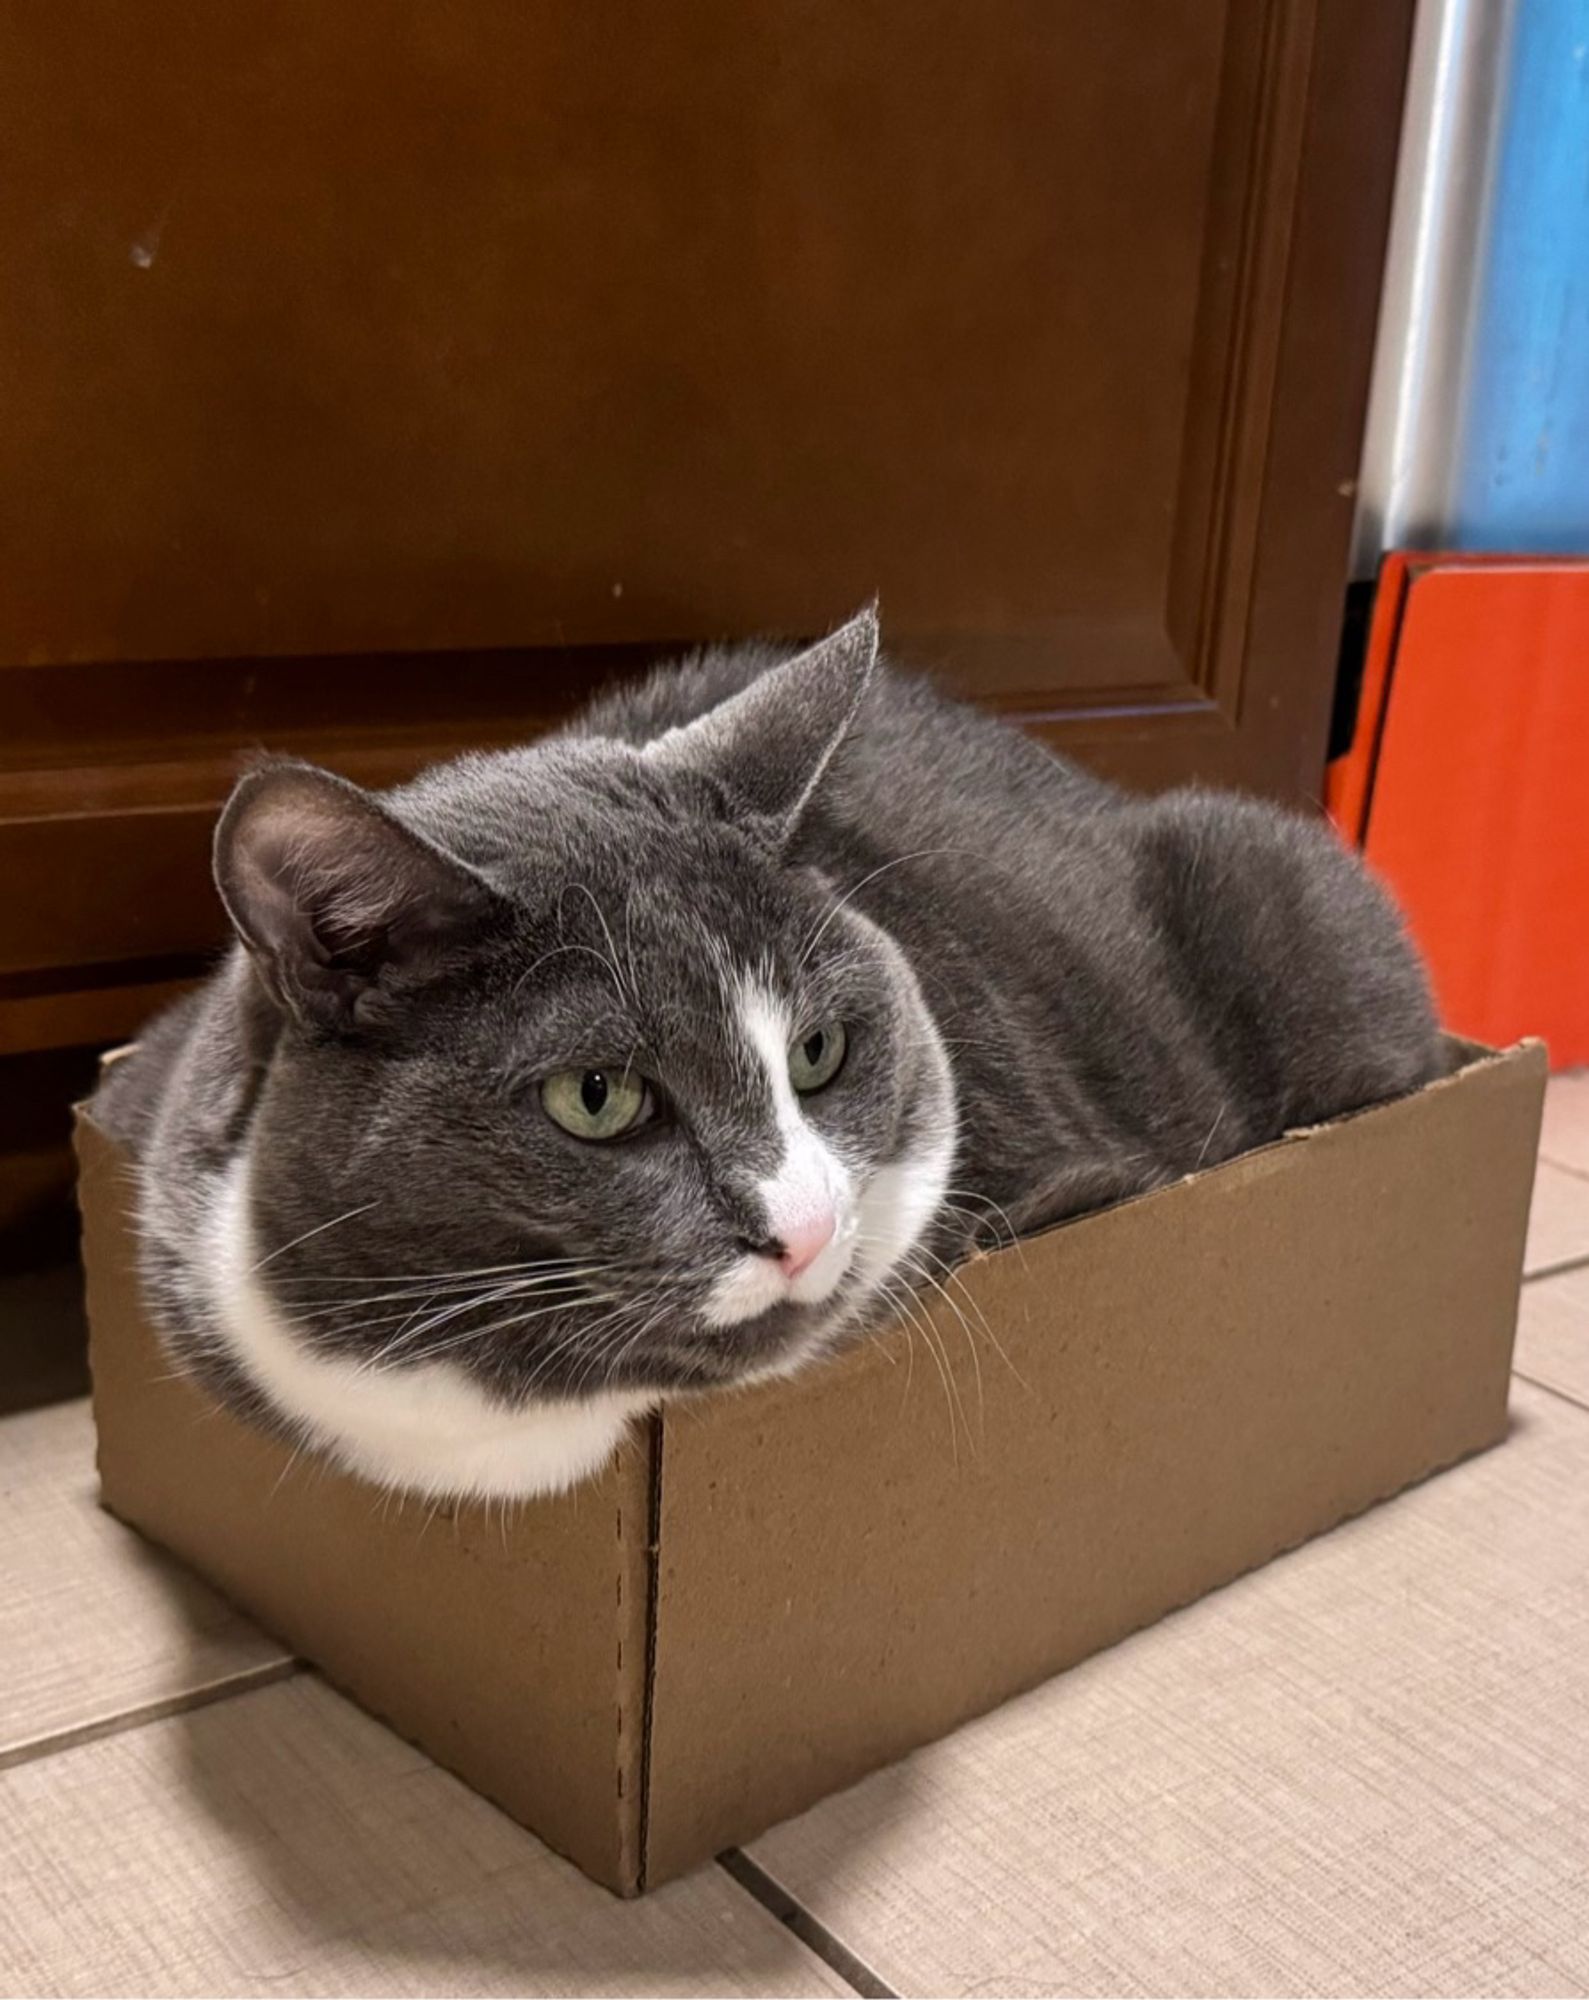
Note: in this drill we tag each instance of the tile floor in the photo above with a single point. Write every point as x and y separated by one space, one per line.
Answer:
1363 1770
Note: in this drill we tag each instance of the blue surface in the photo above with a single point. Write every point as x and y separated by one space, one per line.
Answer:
1522 479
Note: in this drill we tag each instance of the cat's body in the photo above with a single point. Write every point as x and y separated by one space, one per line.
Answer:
1043 995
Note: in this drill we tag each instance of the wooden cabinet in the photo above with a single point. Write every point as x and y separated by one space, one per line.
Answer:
380 378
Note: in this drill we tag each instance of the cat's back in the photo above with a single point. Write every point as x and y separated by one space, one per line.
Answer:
1290 955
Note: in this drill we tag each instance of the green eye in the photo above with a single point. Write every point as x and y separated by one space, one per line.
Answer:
596 1103
816 1059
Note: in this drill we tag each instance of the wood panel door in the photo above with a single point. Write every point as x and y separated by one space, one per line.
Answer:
379 377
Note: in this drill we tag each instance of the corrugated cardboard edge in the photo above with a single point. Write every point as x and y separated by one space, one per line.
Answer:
656 1435
634 1677
128 1490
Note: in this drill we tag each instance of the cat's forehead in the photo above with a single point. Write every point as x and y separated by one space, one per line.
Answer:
667 964
655 960
696 896
623 878
565 813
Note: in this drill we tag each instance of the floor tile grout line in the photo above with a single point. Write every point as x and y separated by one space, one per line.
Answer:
800 1923
1563 1166
62 1740
1555 1270
1562 1395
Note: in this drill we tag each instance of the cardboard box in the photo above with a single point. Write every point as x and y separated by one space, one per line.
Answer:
771 1593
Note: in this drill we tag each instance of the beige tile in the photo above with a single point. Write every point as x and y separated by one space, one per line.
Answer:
1558 1222
1553 1333
1564 1137
281 1842
94 1624
1362 1770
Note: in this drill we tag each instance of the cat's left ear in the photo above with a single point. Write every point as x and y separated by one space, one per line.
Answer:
769 745
345 912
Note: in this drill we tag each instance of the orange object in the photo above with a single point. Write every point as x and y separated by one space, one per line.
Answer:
1467 785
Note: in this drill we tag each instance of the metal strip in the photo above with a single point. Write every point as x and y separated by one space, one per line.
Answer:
1444 184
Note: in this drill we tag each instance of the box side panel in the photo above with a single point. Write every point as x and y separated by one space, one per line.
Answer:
510 1647
1195 1382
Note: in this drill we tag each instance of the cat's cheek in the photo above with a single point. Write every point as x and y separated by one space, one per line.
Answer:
898 1204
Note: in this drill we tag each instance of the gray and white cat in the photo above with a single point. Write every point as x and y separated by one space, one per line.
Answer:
669 1051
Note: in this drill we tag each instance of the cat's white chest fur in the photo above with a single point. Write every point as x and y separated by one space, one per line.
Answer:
424 1428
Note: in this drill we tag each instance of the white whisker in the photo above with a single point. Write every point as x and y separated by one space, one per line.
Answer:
436 1277
517 1319
612 961
318 1230
416 1299
556 952
919 854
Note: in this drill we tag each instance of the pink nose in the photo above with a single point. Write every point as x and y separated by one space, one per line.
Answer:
804 1242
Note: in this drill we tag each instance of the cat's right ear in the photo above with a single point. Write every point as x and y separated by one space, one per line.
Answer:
769 745
344 911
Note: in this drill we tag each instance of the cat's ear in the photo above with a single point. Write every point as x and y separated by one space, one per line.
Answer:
344 911
769 745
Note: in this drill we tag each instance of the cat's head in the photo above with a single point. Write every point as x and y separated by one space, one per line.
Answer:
580 1081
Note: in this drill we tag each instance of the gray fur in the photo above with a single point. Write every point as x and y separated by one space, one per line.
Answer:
1127 989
